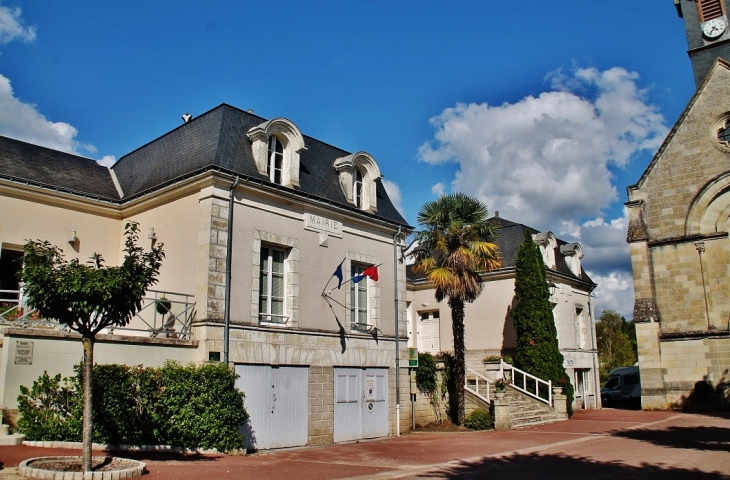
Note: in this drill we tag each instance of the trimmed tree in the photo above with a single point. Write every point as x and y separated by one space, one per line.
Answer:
537 337
89 298
455 248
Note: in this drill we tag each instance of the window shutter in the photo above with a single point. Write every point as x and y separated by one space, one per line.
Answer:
710 9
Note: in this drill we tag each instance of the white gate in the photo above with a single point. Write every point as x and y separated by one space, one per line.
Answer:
277 404
361 403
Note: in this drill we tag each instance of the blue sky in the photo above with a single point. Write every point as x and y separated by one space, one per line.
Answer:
547 111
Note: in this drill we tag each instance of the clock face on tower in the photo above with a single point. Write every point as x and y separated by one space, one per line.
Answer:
713 28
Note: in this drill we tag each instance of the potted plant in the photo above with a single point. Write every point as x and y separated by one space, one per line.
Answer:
163 305
499 386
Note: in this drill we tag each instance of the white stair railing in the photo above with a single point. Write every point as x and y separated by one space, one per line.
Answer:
473 380
525 383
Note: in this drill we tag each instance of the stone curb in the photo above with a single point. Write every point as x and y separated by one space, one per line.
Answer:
30 472
120 448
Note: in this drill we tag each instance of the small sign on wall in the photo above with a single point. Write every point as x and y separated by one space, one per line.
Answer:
23 352
413 357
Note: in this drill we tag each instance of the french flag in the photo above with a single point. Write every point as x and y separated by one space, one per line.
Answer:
371 272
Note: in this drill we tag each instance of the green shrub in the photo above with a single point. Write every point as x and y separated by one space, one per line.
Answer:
185 406
51 409
479 419
426 381
203 406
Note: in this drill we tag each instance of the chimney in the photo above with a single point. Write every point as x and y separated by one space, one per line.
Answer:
496 214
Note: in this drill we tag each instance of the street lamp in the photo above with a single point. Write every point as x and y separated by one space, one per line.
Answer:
553 288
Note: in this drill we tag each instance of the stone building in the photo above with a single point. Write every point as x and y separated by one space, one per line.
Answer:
678 228
489 330
255 218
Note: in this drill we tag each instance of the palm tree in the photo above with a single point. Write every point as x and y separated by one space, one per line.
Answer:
455 248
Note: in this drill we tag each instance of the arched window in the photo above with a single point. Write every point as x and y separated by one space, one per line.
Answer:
276 159
358 174
357 187
276 146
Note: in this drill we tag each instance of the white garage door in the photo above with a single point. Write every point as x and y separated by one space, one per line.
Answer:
361 403
277 403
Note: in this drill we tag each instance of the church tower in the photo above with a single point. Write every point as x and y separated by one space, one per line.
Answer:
708 33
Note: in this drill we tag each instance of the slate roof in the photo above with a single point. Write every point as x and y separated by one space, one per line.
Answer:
509 238
215 140
44 167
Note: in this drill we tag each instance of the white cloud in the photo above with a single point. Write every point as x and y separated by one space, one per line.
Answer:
23 121
11 26
615 292
438 189
603 243
107 160
544 160
394 194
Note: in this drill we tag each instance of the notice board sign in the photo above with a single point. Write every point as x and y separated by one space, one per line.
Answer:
413 357
23 352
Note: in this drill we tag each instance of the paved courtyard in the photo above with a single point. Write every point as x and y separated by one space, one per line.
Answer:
593 444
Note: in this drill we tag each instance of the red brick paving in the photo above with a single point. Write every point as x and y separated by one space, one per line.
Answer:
598 444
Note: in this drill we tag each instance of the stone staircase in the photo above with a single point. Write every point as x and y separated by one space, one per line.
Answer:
528 412
7 439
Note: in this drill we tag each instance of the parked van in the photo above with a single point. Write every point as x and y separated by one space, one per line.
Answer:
623 385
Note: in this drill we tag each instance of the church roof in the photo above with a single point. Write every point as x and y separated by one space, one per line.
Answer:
719 63
213 141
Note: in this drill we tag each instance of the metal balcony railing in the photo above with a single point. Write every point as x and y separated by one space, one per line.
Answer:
163 314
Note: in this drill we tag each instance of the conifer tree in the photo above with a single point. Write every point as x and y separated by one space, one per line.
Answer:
537 336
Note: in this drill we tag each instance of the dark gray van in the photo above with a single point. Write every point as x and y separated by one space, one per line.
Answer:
623 384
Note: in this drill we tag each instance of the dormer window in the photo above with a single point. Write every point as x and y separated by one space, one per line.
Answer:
276 146
357 187
276 159
547 243
573 253
358 174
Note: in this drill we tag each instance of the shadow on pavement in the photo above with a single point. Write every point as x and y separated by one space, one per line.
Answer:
561 467
696 438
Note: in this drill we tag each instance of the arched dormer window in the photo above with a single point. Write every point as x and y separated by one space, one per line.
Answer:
573 253
358 173
277 135
357 187
276 159
547 243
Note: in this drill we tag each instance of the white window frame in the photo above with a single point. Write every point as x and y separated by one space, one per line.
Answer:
266 296
355 307
275 167
357 187
580 340
290 245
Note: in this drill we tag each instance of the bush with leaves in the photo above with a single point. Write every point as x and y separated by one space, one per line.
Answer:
51 409
203 406
478 419
185 406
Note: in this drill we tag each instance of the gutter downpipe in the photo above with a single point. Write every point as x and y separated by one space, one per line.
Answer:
229 252
596 374
397 332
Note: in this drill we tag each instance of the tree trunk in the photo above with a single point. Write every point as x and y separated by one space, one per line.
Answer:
457 326
88 344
